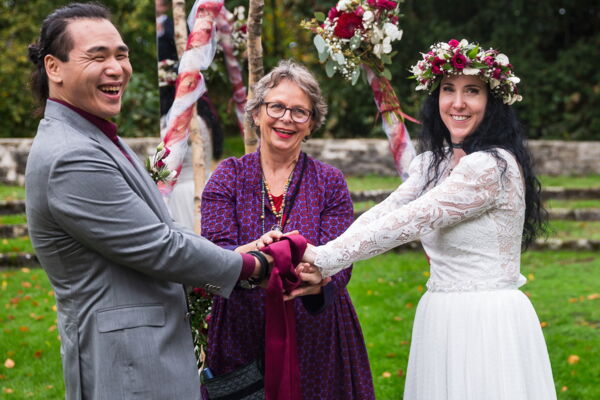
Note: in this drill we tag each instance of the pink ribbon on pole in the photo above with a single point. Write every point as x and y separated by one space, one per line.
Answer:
282 370
234 70
392 119
190 85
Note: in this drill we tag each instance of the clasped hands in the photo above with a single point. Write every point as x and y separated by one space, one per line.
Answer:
312 280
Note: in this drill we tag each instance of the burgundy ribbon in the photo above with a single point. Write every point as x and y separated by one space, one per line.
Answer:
282 371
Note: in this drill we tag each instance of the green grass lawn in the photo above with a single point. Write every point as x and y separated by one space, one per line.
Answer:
29 350
574 230
563 286
373 182
11 193
16 245
15 219
585 181
572 204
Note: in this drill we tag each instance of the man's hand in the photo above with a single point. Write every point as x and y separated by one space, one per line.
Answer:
312 281
263 241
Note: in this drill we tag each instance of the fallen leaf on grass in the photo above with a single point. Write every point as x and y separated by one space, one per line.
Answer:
397 318
36 317
564 389
4 285
400 373
409 305
52 328
26 284
37 354
386 374
54 308
24 329
7 390
2 377
531 277
9 363
390 355
543 324
593 296
573 359
573 300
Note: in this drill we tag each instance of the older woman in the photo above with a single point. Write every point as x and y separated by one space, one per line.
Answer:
280 188
473 200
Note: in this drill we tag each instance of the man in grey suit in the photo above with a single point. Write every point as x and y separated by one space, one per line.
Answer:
101 229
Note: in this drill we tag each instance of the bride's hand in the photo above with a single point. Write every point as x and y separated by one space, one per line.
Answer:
309 255
312 281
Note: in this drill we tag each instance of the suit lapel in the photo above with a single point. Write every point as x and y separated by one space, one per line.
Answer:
143 178
133 171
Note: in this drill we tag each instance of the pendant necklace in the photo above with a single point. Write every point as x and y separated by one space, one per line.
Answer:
280 219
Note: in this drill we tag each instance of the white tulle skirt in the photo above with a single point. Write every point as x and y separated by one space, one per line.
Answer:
485 345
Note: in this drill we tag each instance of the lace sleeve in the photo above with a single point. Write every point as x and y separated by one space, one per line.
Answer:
471 189
405 193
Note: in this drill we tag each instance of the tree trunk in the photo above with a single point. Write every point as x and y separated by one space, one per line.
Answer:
255 63
195 140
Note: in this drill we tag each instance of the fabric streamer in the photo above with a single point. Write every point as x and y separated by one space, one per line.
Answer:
190 85
234 70
282 370
392 118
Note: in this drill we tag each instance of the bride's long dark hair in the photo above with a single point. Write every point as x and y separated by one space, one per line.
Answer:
500 128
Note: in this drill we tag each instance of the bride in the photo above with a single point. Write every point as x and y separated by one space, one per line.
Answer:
473 200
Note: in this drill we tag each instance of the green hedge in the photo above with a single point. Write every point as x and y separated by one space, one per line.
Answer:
553 46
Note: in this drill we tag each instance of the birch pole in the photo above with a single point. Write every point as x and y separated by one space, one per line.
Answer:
198 164
255 64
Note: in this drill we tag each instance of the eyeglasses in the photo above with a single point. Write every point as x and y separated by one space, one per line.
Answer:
277 110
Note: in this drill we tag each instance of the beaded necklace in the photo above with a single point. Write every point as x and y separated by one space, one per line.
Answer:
279 215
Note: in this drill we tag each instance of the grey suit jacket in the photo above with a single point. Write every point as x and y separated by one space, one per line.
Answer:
116 262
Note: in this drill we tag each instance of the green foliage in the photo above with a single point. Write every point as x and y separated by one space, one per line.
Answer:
553 47
20 22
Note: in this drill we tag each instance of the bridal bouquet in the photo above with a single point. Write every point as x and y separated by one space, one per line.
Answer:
356 33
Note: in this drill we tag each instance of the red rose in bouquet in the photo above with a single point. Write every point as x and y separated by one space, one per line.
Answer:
347 24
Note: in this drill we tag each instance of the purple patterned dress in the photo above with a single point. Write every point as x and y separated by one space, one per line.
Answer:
333 358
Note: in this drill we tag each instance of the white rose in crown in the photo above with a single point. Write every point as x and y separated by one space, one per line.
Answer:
502 59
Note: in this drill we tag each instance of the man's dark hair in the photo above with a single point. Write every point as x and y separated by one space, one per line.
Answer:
54 39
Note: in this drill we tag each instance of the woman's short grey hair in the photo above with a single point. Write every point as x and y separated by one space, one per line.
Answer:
296 73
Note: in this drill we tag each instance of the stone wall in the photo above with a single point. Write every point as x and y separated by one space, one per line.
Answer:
352 156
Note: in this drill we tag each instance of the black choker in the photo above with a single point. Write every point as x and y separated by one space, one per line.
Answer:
456 145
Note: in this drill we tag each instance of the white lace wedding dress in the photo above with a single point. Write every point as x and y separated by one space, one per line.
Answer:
475 335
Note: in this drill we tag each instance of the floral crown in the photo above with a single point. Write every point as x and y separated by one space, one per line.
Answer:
454 58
